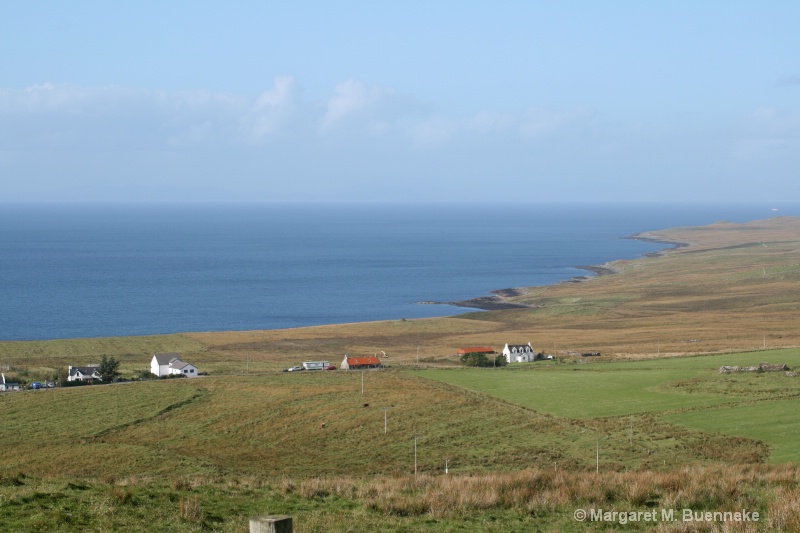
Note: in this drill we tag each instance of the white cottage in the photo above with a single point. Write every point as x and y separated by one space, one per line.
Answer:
170 364
84 373
519 353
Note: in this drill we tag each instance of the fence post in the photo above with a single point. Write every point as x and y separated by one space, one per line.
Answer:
271 524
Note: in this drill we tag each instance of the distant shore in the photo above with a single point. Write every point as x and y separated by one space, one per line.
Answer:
499 299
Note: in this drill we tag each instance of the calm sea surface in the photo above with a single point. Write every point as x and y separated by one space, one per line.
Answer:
100 270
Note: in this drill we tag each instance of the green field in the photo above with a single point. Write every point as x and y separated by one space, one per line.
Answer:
687 391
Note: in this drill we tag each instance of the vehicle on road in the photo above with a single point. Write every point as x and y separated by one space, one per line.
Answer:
295 369
36 385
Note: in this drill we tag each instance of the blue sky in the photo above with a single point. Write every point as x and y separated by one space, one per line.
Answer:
405 101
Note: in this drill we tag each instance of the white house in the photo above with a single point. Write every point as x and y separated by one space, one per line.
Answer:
519 353
169 364
7 385
84 373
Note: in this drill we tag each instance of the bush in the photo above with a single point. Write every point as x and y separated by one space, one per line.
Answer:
481 360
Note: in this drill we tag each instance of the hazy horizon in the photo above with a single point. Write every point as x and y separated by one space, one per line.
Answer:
444 102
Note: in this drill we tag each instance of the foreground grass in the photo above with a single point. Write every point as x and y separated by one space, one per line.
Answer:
528 500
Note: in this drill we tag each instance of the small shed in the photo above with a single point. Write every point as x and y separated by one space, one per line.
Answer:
361 363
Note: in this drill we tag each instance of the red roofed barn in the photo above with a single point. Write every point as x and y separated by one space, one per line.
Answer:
361 363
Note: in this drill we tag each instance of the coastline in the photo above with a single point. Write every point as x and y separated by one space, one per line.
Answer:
499 299
647 236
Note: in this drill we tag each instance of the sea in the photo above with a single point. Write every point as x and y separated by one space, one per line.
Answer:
98 270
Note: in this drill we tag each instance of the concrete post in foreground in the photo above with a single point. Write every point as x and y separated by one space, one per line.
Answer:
271 524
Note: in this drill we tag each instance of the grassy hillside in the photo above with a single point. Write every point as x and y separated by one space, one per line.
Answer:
204 454
522 445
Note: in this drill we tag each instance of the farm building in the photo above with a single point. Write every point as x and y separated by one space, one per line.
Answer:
84 373
519 353
7 385
361 363
170 364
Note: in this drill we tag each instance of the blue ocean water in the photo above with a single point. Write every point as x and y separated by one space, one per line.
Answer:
88 270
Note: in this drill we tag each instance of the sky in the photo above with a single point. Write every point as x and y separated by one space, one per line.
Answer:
365 101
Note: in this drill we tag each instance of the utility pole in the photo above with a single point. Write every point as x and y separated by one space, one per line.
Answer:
631 435
415 455
598 457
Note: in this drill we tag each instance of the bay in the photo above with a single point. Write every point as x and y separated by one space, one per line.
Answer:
92 270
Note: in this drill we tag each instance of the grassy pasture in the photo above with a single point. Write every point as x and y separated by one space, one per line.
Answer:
205 454
775 422
284 424
686 391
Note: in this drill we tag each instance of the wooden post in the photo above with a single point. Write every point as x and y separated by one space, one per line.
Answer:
271 524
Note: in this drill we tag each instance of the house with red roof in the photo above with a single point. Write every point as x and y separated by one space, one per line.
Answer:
361 363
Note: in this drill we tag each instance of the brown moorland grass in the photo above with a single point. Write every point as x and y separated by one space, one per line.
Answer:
526 500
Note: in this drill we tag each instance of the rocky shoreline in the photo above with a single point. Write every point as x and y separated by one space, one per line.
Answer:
645 237
498 301
500 298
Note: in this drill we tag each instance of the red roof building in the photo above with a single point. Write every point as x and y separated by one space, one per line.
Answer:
361 363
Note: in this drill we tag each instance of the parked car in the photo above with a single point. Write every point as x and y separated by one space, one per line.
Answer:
295 369
36 385
330 367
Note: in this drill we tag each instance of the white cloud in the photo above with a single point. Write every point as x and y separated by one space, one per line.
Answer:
271 109
350 98
357 108
65 115
433 131
487 122
540 121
